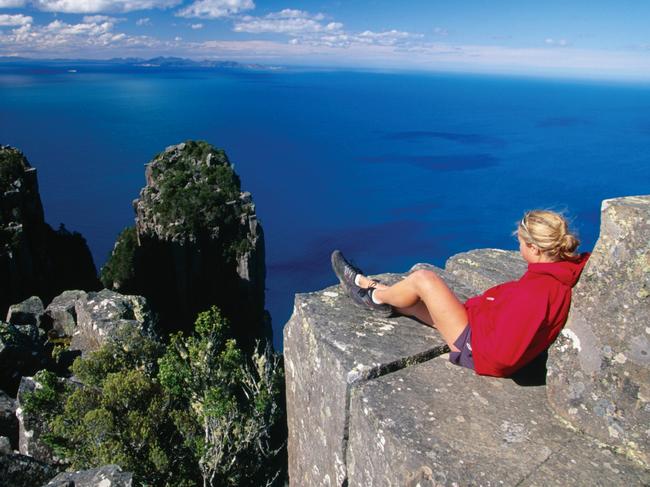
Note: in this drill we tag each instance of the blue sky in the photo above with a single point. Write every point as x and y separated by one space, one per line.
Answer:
604 39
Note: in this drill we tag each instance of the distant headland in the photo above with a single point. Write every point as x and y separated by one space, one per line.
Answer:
160 62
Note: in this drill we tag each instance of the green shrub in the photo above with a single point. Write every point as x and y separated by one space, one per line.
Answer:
196 411
227 405
119 270
120 415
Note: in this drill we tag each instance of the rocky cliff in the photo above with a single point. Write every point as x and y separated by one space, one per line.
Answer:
34 258
196 243
374 401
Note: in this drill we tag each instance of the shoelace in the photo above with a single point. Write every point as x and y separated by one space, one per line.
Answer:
351 271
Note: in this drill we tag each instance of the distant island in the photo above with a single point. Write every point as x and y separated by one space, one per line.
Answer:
161 62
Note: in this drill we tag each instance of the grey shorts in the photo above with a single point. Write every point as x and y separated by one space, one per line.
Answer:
463 343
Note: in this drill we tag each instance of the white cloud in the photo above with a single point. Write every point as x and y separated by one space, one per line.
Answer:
279 26
386 38
89 19
15 20
98 6
213 9
313 30
143 21
59 38
12 3
441 32
287 21
556 42
340 39
289 13
196 26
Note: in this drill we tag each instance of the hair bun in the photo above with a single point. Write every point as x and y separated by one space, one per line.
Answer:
568 245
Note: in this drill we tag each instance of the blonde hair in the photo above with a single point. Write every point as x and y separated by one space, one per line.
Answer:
549 231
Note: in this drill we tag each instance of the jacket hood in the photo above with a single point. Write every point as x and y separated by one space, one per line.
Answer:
565 271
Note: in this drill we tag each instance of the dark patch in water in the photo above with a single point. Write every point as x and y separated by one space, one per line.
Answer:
461 138
381 239
422 208
561 122
461 162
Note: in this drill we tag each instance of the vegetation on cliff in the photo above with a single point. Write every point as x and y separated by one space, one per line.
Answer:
12 167
197 411
119 271
192 195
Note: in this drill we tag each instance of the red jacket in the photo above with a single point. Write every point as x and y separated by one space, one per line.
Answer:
514 322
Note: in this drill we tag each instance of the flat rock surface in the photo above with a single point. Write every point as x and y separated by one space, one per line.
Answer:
363 342
438 424
483 268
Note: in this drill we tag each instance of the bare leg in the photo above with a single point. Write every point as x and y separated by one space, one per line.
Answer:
419 311
424 290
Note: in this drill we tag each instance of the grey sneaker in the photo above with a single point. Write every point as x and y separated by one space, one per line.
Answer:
345 271
362 297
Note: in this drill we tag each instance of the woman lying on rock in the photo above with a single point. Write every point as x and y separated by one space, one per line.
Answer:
508 325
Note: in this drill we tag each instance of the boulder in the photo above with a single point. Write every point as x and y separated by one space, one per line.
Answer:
22 352
436 424
599 368
23 471
31 427
331 347
35 260
100 314
106 476
8 420
61 314
28 312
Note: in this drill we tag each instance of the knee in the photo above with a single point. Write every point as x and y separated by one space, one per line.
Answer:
423 278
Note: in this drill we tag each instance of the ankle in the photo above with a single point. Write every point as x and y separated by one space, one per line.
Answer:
373 296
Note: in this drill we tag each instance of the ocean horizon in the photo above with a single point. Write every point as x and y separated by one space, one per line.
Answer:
393 168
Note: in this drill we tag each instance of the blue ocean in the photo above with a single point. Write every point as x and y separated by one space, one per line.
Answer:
393 168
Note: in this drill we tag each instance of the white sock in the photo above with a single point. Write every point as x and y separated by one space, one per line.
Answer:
357 280
374 298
